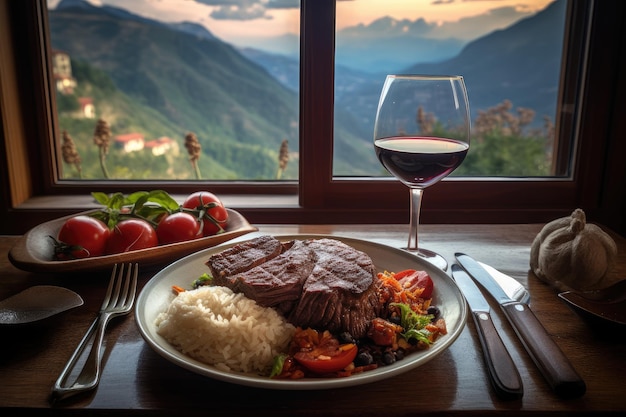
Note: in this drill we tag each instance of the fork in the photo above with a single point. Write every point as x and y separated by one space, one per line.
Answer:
118 301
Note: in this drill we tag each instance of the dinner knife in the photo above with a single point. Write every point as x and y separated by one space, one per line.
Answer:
551 361
503 373
509 285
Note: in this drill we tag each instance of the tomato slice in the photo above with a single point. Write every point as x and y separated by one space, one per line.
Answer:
407 272
411 278
322 362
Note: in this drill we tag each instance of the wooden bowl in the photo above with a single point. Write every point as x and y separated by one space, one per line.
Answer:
35 250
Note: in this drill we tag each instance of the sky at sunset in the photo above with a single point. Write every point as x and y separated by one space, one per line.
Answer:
244 21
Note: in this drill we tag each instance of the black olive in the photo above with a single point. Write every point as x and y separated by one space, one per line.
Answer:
345 337
376 355
389 358
363 358
395 320
399 354
434 310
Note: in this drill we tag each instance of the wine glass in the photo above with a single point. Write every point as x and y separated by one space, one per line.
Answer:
421 134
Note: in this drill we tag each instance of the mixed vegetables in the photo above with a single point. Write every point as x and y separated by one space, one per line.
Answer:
408 323
141 220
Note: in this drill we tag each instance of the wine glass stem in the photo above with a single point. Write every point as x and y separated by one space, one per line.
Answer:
414 221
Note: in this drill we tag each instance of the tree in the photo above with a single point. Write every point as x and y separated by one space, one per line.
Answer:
283 158
504 145
102 138
193 149
70 153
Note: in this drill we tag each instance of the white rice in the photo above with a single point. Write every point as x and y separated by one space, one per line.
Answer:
230 331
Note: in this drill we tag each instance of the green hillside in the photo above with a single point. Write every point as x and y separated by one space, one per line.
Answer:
166 83
124 114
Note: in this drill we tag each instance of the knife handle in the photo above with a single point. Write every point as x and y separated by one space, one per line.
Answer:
505 377
546 354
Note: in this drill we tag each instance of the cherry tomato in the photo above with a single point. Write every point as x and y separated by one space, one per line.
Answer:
131 234
215 215
81 237
410 278
321 353
178 227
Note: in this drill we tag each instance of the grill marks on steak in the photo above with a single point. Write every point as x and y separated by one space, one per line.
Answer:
319 283
243 257
341 266
278 281
339 295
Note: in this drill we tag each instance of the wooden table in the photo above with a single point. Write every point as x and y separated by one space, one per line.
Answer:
137 381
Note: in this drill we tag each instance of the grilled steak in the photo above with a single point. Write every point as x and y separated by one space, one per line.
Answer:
319 283
339 295
242 257
278 281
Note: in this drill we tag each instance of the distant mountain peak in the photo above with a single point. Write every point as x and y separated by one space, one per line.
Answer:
194 29
73 4
389 26
85 6
187 27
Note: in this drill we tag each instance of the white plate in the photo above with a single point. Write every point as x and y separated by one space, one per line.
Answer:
157 294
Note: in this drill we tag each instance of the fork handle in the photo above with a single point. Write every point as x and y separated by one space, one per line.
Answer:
89 376
59 391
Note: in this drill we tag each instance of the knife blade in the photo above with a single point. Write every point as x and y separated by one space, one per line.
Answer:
504 376
510 285
549 358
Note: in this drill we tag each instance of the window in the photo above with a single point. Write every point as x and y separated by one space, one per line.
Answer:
32 192
454 200
175 91
510 56
142 74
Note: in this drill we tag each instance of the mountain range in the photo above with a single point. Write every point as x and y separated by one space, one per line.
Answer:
389 43
520 63
242 103
198 83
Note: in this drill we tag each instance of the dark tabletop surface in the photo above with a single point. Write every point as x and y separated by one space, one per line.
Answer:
137 381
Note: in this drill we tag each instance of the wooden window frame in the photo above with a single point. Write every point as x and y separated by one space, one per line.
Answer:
32 193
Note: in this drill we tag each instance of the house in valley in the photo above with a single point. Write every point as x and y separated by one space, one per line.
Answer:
162 146
130 142
62 72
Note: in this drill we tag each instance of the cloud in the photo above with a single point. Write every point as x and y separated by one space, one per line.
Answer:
239 13
247 9
474 26
283 4
437 2
228 3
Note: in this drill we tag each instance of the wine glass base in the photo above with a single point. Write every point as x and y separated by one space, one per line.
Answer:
432 257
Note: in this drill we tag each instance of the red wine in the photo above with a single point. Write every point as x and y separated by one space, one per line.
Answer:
420 160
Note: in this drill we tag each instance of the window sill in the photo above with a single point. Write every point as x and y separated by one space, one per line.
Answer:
86 202
285 209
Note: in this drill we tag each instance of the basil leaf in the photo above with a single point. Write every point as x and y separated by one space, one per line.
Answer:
101 198
163 199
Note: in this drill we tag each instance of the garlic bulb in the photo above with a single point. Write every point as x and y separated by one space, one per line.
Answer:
570 254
